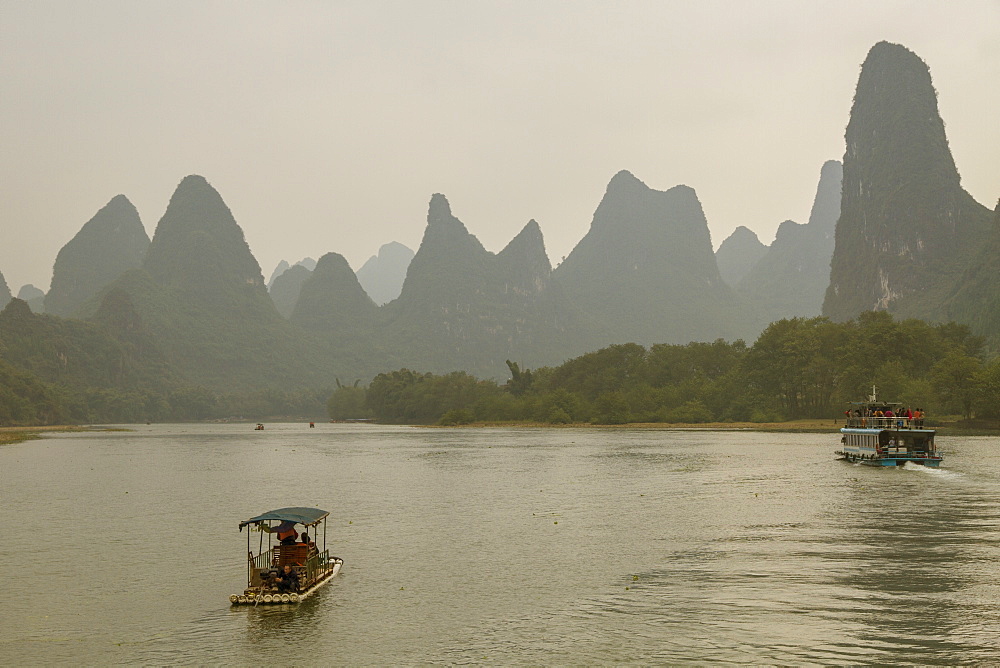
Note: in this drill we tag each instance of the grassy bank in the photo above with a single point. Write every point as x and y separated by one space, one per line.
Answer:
18 434
792 426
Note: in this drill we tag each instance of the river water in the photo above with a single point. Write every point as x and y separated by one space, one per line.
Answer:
500 546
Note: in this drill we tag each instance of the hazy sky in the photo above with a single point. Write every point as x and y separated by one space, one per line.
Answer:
326 126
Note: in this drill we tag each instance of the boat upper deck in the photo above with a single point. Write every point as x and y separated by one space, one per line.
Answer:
882 422
876 414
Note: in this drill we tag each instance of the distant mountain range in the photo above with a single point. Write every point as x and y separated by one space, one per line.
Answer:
34 297
890 229
788 278
382 275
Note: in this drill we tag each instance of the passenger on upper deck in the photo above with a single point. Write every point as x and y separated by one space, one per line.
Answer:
286 532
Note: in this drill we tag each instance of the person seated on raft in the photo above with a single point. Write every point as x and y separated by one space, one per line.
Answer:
309 543
288 581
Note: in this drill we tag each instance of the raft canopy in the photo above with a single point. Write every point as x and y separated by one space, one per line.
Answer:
304 516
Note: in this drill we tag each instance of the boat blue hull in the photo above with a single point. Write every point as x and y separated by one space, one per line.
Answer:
881 446
891 461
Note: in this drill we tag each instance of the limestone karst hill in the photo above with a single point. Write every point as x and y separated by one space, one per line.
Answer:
738 254
109 244
332 301
463 307
201 293
892 229
975 300
907 228
645 272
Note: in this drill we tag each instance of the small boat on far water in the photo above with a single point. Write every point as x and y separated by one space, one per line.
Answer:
884 433
293 568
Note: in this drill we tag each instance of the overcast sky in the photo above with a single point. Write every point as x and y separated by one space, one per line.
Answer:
327 126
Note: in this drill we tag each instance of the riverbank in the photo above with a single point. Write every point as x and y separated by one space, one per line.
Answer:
794 426
10 435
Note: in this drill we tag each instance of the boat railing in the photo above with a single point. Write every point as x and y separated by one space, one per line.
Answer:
317 564
874 422
264 560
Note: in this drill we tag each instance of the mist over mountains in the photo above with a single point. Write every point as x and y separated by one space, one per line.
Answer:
890 229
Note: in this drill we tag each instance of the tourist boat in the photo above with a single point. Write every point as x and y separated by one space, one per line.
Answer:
873 439
314 566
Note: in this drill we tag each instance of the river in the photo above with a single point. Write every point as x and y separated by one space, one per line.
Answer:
499 546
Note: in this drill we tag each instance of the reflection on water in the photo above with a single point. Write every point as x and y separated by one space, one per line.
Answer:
515 546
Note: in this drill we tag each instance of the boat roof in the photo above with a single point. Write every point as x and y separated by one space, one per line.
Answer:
298 515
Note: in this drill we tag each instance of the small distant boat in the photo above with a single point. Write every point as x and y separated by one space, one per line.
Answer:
267 579
881 433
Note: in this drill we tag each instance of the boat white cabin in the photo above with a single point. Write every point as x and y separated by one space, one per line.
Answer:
884 433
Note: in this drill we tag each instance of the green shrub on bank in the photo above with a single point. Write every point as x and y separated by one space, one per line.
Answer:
798 368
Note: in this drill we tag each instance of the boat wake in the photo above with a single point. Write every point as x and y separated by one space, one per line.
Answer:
944 473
